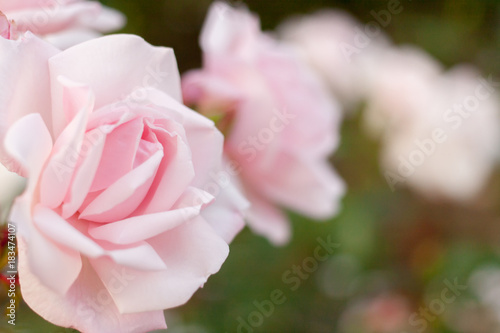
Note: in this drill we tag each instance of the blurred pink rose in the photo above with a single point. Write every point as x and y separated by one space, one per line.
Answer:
63 23
384 313
111 224
280 123
387 314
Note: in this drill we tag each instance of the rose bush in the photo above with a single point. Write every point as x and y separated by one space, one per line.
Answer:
111 225
280 122
64 23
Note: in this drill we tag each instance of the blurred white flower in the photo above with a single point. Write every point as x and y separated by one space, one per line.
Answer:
334 42
440 131
399 85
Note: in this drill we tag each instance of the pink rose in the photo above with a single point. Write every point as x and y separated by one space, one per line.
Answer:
64 23
280 123
111 224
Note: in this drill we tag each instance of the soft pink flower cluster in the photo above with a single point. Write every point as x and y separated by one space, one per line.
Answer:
131 198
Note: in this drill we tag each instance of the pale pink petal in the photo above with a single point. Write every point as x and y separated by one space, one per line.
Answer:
88 305
213 91
138 64
142 227
175 173
310 187
31 73
299 92
70 37
267 220
192 252
56 267
92 148
139 256
226 215
43 20
9 5
125 195
204 140
229 31
30 154
62 232
119 154
58 173
108 20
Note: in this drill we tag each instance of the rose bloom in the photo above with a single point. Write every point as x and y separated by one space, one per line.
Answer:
280 123
64 23
111 225
334 43
440 131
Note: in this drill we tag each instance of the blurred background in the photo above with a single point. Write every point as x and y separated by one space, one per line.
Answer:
402 263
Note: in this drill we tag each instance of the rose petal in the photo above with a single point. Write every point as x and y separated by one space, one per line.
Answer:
119 154
54 18
30 154
226 215
57 175
310 187
88 305
143 227
125 195
175 173
56 267
139 256
192 252
205 141
108 20
143 64
70 37
31 73
60 231
227 30
267 220
92 148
